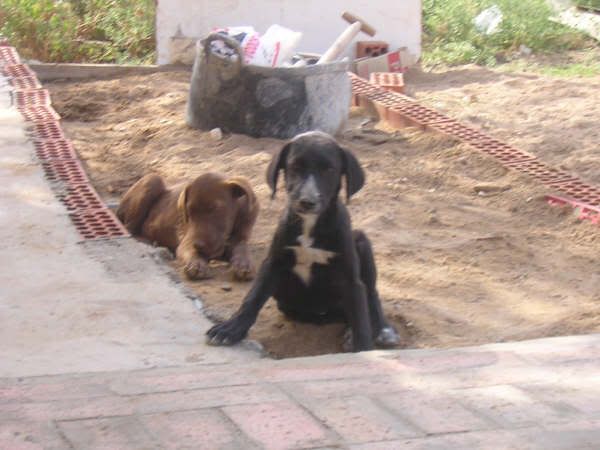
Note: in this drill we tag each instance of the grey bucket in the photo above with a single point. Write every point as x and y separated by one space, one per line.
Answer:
265 101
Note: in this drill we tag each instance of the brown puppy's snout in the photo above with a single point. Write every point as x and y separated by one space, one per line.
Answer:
200 247
209 243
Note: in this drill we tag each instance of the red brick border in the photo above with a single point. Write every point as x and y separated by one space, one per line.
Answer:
17 71
98 223
57 156
47 131
25 83
31 97
43 113
585 212
56 149
8 55
68 171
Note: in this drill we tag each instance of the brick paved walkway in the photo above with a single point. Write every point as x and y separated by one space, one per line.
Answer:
542 394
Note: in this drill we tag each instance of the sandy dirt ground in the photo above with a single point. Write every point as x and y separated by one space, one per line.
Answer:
467 251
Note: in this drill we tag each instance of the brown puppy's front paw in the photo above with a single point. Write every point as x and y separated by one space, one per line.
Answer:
196 270
242 268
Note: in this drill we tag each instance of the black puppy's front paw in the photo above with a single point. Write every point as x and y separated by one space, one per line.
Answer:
351 345
226 333
348 342
387 337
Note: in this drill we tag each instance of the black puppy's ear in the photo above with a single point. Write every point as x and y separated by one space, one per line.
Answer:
277 164
355 176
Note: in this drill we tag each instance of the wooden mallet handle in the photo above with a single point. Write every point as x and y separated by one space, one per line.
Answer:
364 26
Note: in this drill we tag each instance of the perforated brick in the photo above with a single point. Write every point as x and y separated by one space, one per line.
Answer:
43 113
31 97
378 95
371 48
66 170
541 172
460 131
56 149
8 56
80 197
392 99
359 85
420 114
581 191
25 83
98 224
46 130
17 71
482 142
390 81
584 211
501 151
372 91
382 103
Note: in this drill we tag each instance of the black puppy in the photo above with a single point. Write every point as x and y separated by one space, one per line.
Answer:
317 268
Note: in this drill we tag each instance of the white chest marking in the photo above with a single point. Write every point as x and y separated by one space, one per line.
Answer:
306 255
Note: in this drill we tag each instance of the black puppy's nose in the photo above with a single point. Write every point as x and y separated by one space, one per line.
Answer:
308 205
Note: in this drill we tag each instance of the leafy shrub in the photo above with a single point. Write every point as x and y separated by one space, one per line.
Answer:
80 30
595 4
450 37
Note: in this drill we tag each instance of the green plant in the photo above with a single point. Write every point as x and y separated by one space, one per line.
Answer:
80 30
450 37
594 4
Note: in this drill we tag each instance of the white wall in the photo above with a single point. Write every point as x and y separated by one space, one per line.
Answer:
396 21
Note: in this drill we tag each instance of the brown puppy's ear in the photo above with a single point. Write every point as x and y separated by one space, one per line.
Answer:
355 176
181 201
239 187
277 164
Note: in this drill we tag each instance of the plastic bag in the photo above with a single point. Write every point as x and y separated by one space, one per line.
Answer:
272 49
276 46
488 21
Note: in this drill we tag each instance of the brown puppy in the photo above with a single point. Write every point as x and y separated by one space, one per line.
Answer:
208 218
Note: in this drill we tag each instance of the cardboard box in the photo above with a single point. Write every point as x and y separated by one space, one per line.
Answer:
396 61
